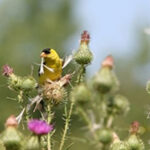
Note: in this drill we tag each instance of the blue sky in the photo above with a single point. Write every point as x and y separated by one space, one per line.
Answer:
112 25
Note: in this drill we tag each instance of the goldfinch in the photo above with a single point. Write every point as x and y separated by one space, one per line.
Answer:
51 65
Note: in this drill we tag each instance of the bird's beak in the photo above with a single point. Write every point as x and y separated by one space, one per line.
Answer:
43 55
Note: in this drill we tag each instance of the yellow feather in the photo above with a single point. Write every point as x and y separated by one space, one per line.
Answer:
54 62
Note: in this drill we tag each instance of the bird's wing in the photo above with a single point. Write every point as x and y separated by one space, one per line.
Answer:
67 61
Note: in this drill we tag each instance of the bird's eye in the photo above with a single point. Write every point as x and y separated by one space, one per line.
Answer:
46 50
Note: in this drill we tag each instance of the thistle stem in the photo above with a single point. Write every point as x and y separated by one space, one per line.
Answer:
49 118
67 121
88 121
85 117
109 121
81 73
103 147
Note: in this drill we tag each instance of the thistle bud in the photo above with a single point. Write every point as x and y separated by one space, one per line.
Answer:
120 104
105 135
134 127
11 137
18 83
32 143
2 147
28 83
11 122
135 143
84 56
105 80
117 144
81 93
108 62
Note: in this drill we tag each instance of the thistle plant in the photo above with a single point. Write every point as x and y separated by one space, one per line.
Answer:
96 100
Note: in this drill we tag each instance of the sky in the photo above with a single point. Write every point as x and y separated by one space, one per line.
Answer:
112 25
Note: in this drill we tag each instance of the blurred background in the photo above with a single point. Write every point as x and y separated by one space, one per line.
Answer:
120 28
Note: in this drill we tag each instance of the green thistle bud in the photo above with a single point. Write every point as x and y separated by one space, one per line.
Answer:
28 83
18 83
11 137
105 80
105 135
81 93
84 56
22 83
14 82
120 104
2 147
135 143
117 144
32 143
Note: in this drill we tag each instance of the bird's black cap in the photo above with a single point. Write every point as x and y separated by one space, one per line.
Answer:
46 50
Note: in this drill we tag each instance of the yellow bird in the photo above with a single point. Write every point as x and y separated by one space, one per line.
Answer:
51 66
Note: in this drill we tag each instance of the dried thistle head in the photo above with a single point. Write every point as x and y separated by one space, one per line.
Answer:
53 91
65 80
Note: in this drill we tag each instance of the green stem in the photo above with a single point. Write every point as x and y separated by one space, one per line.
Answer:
85 117
67 121
108 118
20 97
109 121
103 109
39 140
103 147
88 121
81 73
27 115
49 118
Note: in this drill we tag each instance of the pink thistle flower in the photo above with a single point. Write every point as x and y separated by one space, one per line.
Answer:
7 70
39 127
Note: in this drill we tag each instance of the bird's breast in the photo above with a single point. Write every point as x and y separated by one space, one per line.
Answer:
55 75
